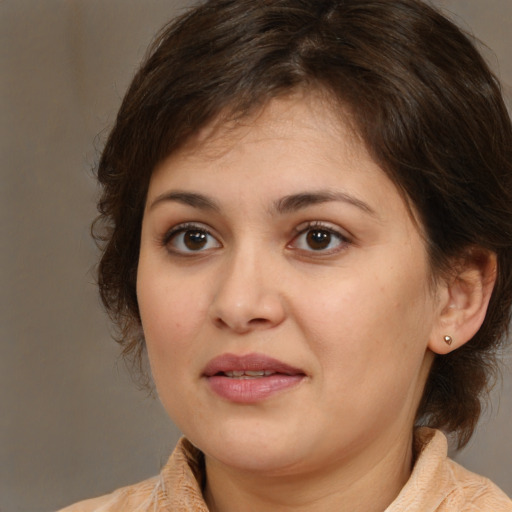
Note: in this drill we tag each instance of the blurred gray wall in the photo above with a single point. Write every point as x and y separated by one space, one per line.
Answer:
72 424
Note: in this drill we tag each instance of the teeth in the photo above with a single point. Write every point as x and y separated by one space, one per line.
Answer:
257 373
248 374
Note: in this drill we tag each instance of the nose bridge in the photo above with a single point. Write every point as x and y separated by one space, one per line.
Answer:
247 296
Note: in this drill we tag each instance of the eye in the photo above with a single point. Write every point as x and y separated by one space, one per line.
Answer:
190 238
318 237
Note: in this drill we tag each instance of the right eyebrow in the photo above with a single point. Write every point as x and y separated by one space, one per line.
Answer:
187 198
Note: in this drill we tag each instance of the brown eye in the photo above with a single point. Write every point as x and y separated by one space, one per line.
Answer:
188 240
318 239
195 240
324 240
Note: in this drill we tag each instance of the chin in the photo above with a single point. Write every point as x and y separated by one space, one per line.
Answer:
252 458
255 448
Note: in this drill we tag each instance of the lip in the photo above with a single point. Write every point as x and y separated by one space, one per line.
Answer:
243 389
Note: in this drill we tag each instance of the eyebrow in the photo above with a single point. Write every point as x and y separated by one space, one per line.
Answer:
303 200
187 198
286 204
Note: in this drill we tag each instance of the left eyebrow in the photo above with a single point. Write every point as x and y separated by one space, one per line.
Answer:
303 200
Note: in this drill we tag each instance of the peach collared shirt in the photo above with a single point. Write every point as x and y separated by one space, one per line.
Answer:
437 484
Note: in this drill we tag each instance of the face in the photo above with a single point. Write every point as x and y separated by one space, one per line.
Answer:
285 294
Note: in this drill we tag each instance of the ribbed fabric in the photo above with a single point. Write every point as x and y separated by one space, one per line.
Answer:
437 484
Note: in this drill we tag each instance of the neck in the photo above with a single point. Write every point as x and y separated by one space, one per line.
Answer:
353 484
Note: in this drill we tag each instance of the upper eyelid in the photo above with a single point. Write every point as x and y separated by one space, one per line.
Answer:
184 226
164 238
327 226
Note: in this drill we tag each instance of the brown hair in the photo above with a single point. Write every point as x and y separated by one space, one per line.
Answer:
423 100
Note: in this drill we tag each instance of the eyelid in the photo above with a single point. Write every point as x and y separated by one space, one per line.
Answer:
327 226
322 224
183 226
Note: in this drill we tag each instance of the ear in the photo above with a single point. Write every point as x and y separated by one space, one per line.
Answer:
464 299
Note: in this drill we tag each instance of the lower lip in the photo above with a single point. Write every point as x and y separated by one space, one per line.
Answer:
250 391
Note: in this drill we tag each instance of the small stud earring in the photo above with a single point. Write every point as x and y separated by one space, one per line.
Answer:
448 340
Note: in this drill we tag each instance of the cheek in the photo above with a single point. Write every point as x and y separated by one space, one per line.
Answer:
367 323
371 344
170 321
170 316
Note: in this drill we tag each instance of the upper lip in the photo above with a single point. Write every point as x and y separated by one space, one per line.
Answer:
251 362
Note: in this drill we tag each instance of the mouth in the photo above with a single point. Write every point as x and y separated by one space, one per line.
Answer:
247 374
250 378
252 366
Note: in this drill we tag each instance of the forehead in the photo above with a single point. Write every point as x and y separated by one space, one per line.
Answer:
293 144
303 117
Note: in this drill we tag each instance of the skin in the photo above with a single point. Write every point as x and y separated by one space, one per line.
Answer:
360 317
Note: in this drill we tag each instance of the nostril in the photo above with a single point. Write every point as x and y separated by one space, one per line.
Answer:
257 321
219 322
240 326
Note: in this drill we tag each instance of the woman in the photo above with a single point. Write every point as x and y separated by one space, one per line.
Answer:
307 218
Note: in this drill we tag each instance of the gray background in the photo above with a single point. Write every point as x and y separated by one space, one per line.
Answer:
72 424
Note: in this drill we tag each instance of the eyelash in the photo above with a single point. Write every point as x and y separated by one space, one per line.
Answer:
326 231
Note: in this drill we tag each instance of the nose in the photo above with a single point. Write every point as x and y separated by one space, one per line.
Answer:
248 295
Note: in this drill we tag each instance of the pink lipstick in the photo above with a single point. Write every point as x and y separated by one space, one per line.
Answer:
250 378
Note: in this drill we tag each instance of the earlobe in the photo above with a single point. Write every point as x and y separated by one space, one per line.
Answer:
464 302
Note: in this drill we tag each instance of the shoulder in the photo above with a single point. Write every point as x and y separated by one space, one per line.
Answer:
126 498
474 492
438 484
177 487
